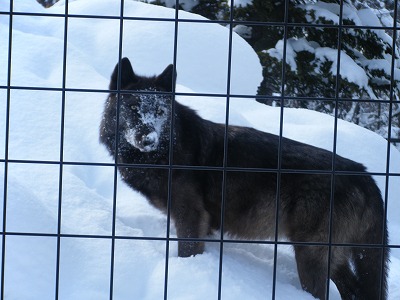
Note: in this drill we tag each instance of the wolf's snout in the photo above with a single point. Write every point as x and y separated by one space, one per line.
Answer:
143 142
148 140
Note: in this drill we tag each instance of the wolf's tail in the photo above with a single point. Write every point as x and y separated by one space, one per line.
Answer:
371 268
371 263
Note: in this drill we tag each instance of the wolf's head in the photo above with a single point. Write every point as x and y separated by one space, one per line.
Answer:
144 106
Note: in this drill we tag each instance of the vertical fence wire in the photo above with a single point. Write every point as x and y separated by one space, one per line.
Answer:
7 137
226 145
171 150
61 158
388 151
116 150
335 128
279 165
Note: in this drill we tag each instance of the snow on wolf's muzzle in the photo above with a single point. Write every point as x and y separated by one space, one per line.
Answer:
143 142
144 118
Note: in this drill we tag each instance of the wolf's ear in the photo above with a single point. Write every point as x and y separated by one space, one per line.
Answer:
165 79
127 75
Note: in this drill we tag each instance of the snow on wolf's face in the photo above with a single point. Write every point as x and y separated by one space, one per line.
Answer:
144 119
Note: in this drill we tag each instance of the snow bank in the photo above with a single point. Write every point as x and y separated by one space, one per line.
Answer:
87 191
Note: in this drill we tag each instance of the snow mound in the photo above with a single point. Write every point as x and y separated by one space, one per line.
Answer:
87 191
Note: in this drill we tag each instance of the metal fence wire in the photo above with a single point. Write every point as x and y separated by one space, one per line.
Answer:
169 238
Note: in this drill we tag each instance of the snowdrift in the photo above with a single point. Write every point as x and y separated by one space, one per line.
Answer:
87 191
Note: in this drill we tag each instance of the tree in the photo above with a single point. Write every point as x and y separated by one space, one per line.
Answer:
311 65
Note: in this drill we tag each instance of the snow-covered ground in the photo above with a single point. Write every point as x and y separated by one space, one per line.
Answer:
87 191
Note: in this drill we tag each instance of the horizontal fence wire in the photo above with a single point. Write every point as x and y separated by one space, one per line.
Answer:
202 168
217 240
196 94
221 239
183 20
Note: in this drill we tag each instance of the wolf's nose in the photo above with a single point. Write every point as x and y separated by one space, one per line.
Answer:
147 140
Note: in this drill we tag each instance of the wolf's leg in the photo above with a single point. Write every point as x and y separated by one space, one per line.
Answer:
191 219
191 224
312 268
365 282
346 281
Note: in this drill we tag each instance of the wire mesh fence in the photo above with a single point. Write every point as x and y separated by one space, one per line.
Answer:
47 162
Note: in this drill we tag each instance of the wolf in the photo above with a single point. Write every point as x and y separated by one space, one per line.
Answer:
249 183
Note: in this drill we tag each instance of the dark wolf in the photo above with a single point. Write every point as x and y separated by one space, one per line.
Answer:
292 192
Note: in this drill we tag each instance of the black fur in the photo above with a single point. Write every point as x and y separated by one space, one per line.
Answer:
250 205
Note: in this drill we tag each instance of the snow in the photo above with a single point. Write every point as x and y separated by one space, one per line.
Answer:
384 65
327 11
348 67
331 12
277 52
87 191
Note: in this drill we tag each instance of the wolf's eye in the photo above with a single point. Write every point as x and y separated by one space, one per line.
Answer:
160 112
134 108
